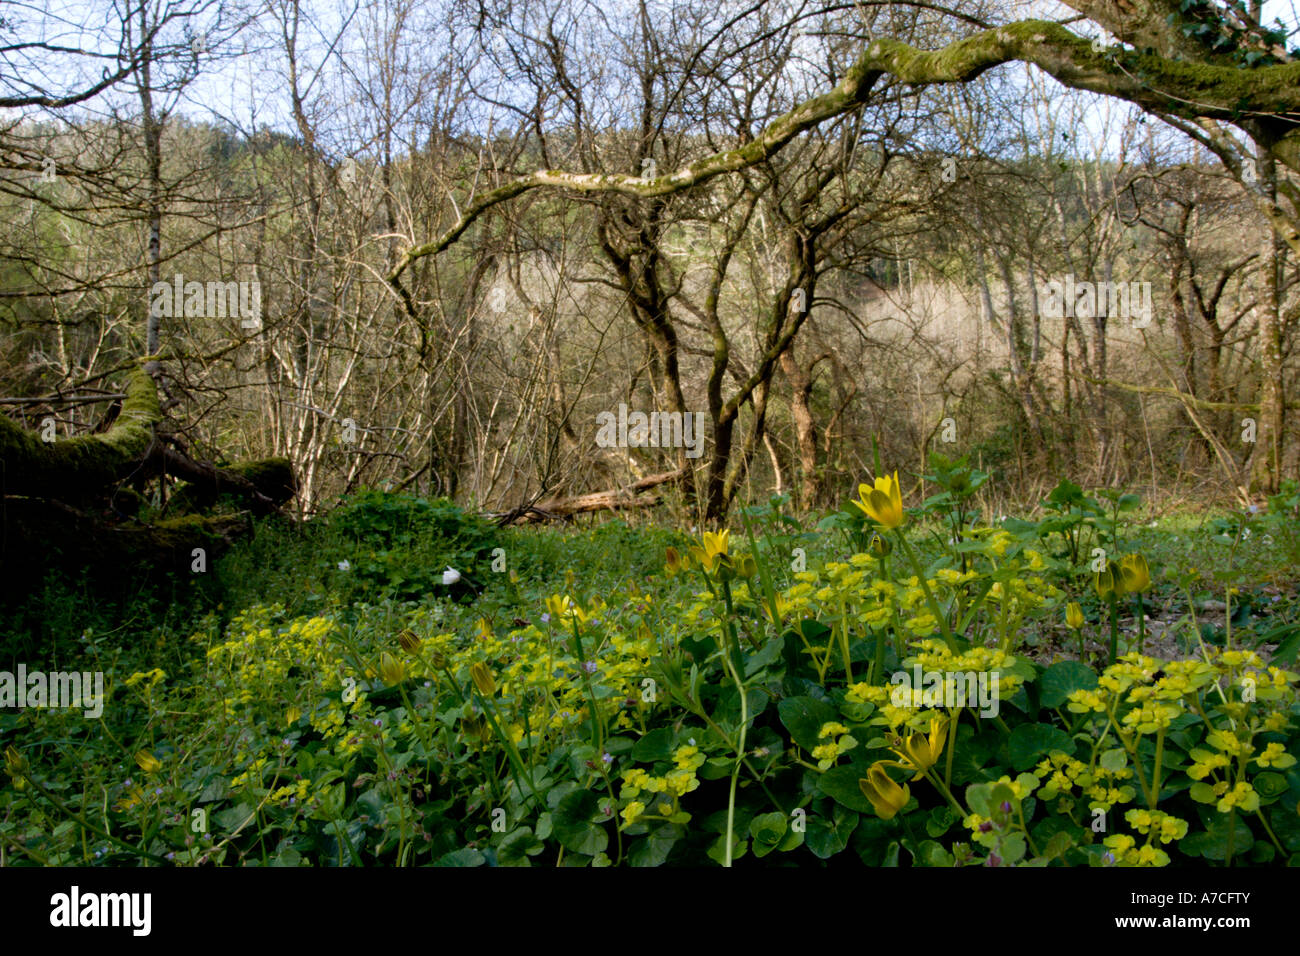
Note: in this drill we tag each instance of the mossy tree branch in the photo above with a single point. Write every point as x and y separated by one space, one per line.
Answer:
75 469
1204 88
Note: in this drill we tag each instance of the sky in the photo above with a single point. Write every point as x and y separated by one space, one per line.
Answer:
236 46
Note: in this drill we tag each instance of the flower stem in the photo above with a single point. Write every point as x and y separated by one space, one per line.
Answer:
939 616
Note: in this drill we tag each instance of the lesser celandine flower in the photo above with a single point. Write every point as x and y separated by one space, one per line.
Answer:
408 641
880 546
148 762
919 752
483 679
1134 573
1108 580
561 607
391 669
882 501
15 763
714 551
885 794
1073 615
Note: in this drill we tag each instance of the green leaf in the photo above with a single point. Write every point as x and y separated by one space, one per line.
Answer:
1114 760
1013 848
1202 793
931 853
517 847
841 785
827 837
765 655
1269 785
654 849
462 857
717 851
233 817
1030 742
1062 679
572 823
939 820
1287 649
1212 843
656 745
804 717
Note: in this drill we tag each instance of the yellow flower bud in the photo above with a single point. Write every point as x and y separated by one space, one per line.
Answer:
408 641
1134 573
1074 615
148 762
880 546
391 669
483 679
15 763
1108 580
886 796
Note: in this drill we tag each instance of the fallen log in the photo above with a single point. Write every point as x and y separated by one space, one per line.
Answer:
620 499
79 502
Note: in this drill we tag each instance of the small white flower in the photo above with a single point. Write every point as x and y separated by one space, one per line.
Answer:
450 576
345 566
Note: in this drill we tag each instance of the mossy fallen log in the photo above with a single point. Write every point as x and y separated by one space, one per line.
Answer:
81 468
84 502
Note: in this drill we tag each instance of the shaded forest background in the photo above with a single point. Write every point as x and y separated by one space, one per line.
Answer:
877 280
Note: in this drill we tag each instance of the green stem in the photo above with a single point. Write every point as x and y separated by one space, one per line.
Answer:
878 662
1142 625
953 716
946 793
740 756
1114 627
1155 773
90 826
929 595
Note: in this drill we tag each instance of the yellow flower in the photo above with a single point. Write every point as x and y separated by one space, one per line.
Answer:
1109 580
148 762
714 551
920 753
886 796
16 767
292 715
391 669
688 757
1275 756
483 679
1074 615
133 798
561 607
1242 795
1134 573
408 641
675 563
882 501
632 812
